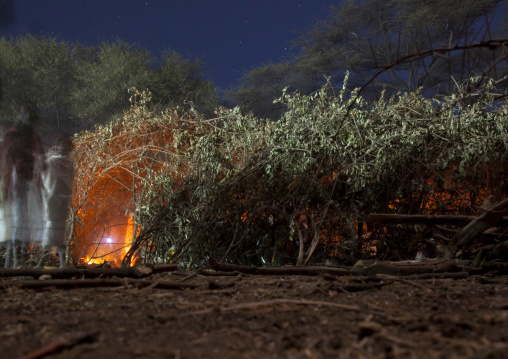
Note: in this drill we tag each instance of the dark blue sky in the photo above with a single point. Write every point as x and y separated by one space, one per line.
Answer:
229 36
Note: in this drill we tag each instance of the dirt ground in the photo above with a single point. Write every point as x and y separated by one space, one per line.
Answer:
254 316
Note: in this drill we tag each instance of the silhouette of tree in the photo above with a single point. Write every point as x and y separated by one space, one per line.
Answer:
365 36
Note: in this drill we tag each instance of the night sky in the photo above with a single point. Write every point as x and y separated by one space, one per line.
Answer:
229 36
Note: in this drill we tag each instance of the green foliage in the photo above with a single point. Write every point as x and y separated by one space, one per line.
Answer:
76 86
36 69
252 190
101 81
260 87
178 82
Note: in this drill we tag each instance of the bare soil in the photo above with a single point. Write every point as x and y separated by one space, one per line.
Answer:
253 316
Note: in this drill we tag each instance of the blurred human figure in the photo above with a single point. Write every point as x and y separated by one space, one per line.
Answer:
22 162
57 180
5 217
5 228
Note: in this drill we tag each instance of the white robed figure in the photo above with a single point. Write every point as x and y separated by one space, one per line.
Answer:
5 214
21 162
57 196
5 222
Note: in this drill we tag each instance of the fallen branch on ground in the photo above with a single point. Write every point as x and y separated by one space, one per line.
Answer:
407 268
138 271
213 273
297 270
93 283
59 345
490 218
362 267
281 301
358 287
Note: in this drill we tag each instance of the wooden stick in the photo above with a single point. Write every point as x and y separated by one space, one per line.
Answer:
448 275
359 287
213 273
491 217
59 345
374 267
138 271
280 301
296 270
190 276
93 283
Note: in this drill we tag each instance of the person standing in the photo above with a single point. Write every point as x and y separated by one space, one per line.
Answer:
57 179
5 217
22 165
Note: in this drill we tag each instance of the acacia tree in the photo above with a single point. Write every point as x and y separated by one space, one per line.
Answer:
102 78
262 85
6 18
76 86
363 36
40 70
180 82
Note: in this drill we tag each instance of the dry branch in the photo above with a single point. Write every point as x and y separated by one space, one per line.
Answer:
445 275
473 227
434 268
298 270
492 44
213 273
373 267
138 271
280 302
499 251
359 287
489 218
162 268
94 283
59 345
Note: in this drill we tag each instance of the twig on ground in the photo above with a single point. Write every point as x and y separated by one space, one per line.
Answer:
59 345
94 283
190 276
282 301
